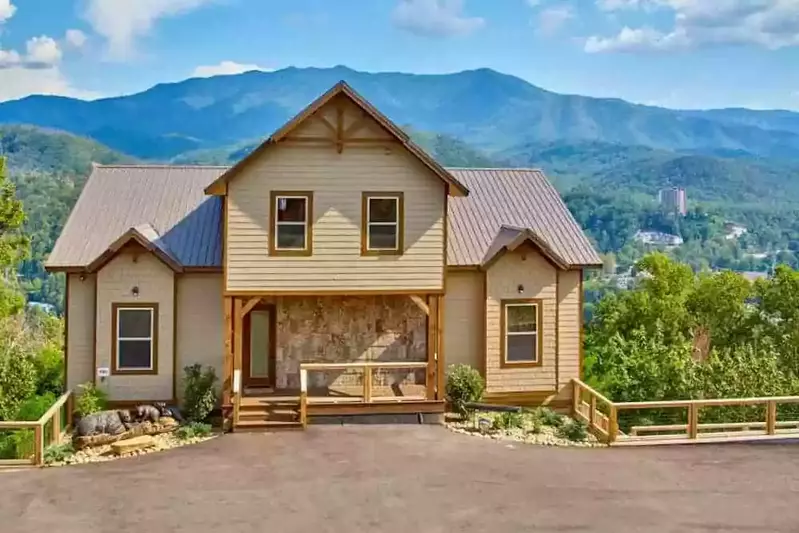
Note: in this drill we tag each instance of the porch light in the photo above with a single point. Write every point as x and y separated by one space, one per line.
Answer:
520 288
135 290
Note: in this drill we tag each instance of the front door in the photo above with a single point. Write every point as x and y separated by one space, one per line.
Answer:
258 357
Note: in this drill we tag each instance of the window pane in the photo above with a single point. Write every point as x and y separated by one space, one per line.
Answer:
383 209
521 318
382 237
291 209
134 354
134 323
290 237
521 348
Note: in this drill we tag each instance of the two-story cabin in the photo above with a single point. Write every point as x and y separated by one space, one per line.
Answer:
338 258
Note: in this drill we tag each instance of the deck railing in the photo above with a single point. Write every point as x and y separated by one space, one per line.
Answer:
366 382
709 420
35 436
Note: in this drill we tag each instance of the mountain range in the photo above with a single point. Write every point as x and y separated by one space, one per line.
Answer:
488 110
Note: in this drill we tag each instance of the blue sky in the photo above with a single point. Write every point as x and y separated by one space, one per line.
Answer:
674 53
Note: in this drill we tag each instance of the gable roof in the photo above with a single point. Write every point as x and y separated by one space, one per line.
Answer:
455 187
165 208
516 199
145 236
168 199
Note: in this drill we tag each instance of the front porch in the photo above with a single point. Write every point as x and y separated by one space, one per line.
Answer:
292 358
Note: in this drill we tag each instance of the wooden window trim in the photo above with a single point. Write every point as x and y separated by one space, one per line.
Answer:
539 303
365 197
115 370
273 249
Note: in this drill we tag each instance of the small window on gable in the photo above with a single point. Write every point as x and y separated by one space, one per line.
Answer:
291 225
135 338
382 231
521 335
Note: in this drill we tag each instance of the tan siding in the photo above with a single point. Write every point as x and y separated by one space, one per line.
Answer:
156 285
528 268
569 325
463 319
200 323
337 181
81 330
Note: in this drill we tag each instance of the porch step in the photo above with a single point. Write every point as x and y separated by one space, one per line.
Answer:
268 413
260 425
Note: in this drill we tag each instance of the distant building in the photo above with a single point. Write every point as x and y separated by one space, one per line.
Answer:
674 199
658 237
754 276
733 230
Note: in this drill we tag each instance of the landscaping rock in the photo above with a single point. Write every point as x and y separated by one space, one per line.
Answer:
133 445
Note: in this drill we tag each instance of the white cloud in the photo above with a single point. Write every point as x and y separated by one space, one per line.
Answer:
770 24
43 52
225 68
75 38
7 10
122 22
18 82
551 20
435 18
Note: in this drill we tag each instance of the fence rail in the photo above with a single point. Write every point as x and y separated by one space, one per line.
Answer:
48 430
373 382
710 420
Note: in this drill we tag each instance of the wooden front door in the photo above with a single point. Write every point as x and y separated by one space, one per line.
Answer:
258 357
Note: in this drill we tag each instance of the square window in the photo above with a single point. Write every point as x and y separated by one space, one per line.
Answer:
290 209
290 236
382 237
134 338
135 354
383 210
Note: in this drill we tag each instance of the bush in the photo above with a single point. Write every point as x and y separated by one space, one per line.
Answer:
548 417
464 385
574 430
199 396
509 420
538 426
33 408
90 400
49 364
192 430
17 382
56 453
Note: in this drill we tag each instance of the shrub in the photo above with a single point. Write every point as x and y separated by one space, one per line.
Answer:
33 408
509 420
548 417
464 385
49 364
56 453
537 427
192 430
17 382
90 400
574 430
199 396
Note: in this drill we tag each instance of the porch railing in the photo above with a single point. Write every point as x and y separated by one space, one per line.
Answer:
30 438
372 382
683 421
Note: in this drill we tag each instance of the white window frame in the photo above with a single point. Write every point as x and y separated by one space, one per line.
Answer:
278 223
151 339
534 334
369 222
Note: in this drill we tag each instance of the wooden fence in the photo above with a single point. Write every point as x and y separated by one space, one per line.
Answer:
687 421
50 429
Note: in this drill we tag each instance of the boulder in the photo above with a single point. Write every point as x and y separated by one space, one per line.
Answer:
131 445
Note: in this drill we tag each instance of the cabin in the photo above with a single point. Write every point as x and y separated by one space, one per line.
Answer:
337 264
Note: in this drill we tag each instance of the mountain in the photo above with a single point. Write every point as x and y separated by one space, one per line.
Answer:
484 108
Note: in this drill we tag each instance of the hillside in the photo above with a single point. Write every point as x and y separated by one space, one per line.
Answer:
484 108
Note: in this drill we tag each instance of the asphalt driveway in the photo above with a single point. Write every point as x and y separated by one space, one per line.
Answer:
410 479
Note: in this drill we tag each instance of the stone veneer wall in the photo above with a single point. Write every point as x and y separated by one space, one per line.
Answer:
346 329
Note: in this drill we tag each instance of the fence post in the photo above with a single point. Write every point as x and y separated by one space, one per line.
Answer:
771 417
303 397
592 412
693 421
613 424
576 397
70 411
367 384
55 427
38 445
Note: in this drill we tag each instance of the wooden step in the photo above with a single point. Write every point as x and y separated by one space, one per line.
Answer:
261 401
261 425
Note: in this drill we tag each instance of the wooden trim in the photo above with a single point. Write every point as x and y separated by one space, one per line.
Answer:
430 321
387 365
65 269
246 379
484 359
204 269
365 197
463 268
118 246
441 363
227 368
420 303
524 398
581 318
251 304
389 292
446 240
175 314
94 334
115 306
376 408
557 329
274 251
539 333
225 212
238 341
66 334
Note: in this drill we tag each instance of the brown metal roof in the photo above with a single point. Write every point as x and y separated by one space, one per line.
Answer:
186 224
504 207
517 198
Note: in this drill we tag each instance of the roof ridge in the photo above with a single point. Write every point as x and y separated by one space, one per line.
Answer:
156 165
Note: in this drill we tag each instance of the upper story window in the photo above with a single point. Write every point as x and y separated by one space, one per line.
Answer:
383 224
521 335
291 223
135 329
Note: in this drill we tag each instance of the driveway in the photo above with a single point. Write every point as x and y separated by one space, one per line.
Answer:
410 479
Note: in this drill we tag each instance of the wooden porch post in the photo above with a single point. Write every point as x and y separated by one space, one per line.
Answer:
441 367
432 317
227 367
238 346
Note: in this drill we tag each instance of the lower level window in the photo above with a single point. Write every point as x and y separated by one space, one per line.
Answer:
520 332
135 337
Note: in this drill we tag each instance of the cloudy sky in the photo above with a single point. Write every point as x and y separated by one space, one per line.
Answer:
674 53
